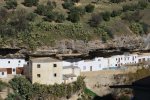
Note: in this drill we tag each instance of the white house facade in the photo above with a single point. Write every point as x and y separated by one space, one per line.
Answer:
11 66
100 63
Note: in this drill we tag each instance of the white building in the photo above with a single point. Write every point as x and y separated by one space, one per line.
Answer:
100 63
11 66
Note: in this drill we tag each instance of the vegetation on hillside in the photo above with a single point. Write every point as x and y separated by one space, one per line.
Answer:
33 23
24 90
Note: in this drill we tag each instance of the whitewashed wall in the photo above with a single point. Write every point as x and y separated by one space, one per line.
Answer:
12 63
3 75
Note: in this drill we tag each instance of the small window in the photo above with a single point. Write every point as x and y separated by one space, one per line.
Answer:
55 65
99 59
8 61
38 75
55 75
2 73
14 70
19 61
116 59
115 64
71 78
38 66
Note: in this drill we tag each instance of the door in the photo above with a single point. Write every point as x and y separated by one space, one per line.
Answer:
90 68
9 70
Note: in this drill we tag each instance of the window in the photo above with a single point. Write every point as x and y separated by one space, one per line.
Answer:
2 73
38 75
71 78
14 70
55 75
19 61
8 61
38 65
116 59
99 59
55 65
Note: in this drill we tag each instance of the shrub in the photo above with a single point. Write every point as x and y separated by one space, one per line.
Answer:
106 16
117 1
95 20
30 3
43 10
68 5
78 10
115 13
76 1
137 28
142 4
31 16
60 18
51 16
89 8
74 17
52 4
11 4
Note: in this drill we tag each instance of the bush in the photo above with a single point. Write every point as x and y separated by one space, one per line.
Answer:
52 4
43 10
74 17
76 1
117 1
95 20
106 16
115 13
78 10
142 4
31 16
11 4
51 16
89 8
31 3
60 18
137 28
68 5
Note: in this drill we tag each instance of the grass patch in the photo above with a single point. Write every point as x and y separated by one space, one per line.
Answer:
89 92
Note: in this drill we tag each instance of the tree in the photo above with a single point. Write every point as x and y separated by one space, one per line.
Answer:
11 4
143 4
31 3
89 8
22 87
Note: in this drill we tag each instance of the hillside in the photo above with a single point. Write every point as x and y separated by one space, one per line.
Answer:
76 24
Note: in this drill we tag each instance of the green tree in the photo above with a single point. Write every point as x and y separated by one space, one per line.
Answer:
22 87
11 4
137 28
30 3
89 8
115 13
